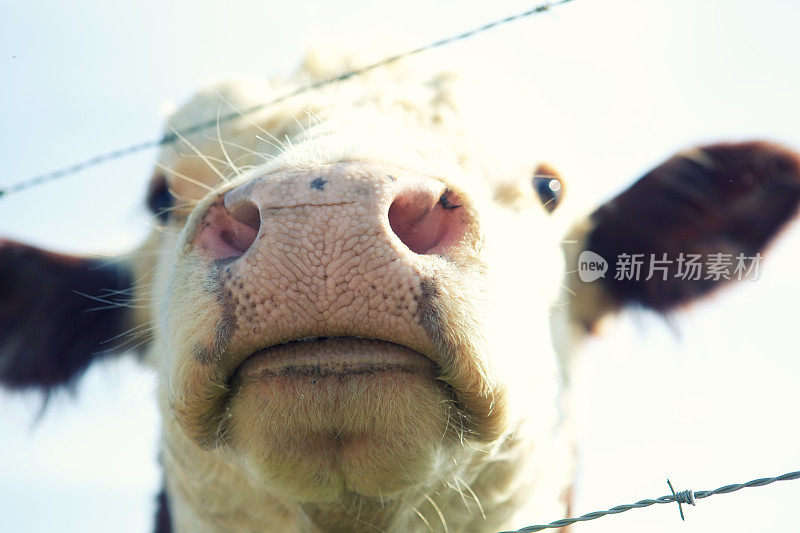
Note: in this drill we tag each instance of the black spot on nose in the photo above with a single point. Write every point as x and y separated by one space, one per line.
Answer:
319 184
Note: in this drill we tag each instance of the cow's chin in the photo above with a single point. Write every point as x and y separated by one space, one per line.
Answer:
322 418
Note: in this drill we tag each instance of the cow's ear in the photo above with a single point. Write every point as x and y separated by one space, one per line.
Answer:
692 224
58 313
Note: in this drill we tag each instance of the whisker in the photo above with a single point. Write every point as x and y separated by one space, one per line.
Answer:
222 145
185 201
474 496
198 152
118 292
279 147
131 334
131 331
243 115
135 346
265 157
209 157
235 161
568 290
184 177
439 512
112 304
302 128
421 517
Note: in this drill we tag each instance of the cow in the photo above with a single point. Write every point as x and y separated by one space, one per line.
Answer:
359 317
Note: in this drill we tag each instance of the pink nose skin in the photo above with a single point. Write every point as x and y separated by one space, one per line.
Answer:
422 213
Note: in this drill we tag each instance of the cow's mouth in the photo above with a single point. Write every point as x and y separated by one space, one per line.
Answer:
324 357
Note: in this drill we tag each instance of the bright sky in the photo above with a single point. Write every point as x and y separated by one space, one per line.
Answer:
630 82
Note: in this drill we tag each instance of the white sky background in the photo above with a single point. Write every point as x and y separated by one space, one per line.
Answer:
631 82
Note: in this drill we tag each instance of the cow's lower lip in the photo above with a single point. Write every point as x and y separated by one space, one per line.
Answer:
326 356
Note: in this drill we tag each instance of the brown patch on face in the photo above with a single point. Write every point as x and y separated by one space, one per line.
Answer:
217 282
429 314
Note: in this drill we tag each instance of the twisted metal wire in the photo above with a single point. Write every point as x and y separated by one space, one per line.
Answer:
171 137
686 496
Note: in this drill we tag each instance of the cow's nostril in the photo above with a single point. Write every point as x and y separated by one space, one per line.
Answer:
246 212
246 223
229 228
427 224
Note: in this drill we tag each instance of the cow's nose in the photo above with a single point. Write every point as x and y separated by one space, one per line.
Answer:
426 216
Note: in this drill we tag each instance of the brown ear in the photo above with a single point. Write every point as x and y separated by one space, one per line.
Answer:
718 205
51 328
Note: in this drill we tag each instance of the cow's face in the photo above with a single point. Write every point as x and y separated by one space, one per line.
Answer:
343 316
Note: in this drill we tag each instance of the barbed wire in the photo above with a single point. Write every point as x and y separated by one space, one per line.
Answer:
171 137
686 496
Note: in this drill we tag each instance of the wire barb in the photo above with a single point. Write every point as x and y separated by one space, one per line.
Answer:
685 496
171 137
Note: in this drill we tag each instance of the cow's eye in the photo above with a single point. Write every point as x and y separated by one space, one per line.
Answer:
159 198
548 186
